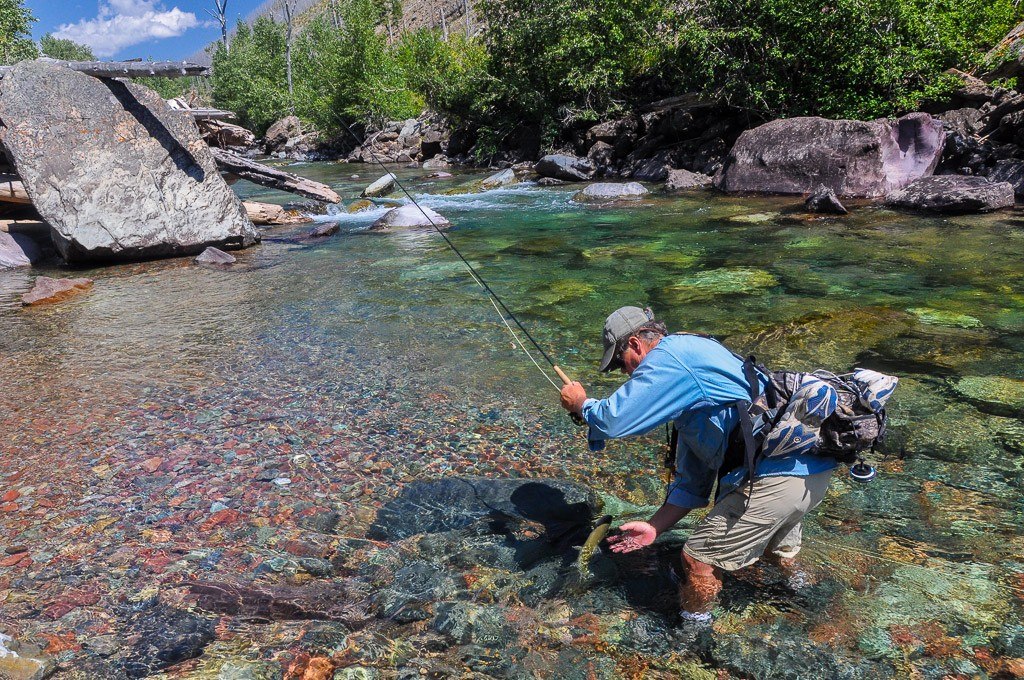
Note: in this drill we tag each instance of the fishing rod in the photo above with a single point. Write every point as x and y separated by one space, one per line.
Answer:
495 300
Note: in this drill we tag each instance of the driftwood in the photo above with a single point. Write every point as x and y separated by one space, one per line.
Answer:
12 190
270 214
129 69
233 164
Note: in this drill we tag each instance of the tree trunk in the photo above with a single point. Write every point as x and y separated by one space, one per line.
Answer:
233 164
288 55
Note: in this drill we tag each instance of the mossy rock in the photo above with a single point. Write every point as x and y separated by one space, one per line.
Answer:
725 281
831 339
563 290
653 252
360 205
993 394
755 218
941 317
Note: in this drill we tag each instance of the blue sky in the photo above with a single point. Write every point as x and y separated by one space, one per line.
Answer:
124 29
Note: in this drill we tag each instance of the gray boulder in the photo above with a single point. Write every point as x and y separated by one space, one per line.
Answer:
824 200
17 250
954 194
568 168
114 171
1011 171
502 178
680 180
853 158
602 154
381 187
606 191
278 134
410 216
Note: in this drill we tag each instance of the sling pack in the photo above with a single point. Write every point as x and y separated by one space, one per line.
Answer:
817 413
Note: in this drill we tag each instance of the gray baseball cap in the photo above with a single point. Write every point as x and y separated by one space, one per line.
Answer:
619 325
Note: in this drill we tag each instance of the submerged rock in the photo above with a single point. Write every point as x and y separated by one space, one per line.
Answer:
164 636
23 661
604 191
504 178
954 194
113 170
725 281
993 394
568 168
824 200
47 290
323 229
381 187
455 503
853 158
939 317
215 256
410 216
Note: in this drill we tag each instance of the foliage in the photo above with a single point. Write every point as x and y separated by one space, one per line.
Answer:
69 50
562 61
16 32
846 58
451 74
195 88
250 79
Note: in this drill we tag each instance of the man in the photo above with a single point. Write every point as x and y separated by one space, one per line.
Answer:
695 383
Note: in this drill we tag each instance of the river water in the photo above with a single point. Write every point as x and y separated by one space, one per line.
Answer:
181 424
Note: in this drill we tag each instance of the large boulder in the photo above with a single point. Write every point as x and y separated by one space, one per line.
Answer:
114 171
564 167
853 158
17 250
278 134
381 187
681 180
410 216
954 194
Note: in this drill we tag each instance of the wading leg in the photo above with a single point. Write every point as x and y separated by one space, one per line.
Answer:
698 591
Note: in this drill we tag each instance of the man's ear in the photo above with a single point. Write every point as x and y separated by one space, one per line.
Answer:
636 344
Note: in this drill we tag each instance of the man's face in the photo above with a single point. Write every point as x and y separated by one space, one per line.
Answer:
632 355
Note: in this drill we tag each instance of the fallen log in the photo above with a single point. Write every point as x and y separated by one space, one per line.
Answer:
270 214
233 164
128 69
12 190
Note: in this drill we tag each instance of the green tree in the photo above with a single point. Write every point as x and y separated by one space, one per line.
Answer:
16 32
451 75
69 50
250 79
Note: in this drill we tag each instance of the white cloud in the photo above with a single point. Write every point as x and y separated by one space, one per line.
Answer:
122 23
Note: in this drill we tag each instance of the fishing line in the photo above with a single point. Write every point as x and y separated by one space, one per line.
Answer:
492 296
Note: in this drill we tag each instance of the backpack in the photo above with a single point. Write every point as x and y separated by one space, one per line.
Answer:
819 413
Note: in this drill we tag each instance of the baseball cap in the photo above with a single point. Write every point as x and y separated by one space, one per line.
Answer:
619 325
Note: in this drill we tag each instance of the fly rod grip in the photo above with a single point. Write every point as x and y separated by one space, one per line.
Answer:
576 417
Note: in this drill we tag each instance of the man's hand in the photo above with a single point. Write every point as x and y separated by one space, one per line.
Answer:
573 396
632 536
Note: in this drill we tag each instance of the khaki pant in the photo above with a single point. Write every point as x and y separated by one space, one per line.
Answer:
736 534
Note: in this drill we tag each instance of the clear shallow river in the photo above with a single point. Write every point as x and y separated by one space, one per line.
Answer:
179 423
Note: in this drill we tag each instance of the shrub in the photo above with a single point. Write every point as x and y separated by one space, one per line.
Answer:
451 74
15 32
68 50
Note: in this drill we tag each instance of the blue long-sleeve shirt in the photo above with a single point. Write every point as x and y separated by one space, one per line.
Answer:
694 382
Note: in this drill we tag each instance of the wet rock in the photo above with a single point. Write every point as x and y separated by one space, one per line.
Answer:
824 200
114 171
993 394
356 673
164 636
323 230
568 168
215 256
607 191
416 586
550 182
316 566
466 623
333 601
47 290
249 670
324 522
954 194
438 175
270 214
853 158
22 661
410 216
939 317
437 163
17 250
279 134
360 205
499 179
681 180
456 503
381 187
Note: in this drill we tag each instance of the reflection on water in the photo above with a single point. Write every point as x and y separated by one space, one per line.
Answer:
180 424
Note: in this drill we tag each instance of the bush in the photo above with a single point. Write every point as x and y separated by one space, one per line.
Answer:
451 74
15 32
68 50
846 58
250 78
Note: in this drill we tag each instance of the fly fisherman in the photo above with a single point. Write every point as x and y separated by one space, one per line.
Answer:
695 383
